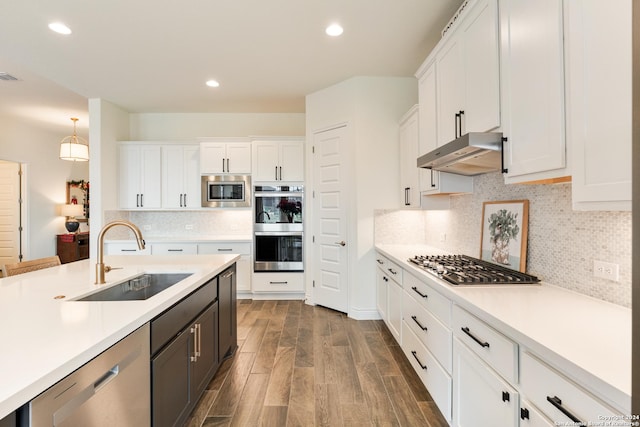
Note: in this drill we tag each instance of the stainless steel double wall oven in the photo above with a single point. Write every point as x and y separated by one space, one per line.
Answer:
278 228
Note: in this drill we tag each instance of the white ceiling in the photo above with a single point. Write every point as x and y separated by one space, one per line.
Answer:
155 55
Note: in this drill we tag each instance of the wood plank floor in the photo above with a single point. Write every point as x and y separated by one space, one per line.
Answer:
299 365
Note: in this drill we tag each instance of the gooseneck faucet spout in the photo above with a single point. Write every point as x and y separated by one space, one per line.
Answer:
101 269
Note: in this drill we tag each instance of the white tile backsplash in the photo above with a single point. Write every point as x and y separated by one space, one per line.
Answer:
562 243
185 224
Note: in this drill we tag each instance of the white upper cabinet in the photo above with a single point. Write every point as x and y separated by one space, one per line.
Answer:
468 70
459 89
140 172
481 54
278 160
409 172
599 121
222 157
450 88
180 176
532 74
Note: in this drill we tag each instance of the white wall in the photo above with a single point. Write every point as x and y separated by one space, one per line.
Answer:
174 126
37 146
372 106
109 124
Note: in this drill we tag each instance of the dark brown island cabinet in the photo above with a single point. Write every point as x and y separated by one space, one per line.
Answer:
188 343
72 247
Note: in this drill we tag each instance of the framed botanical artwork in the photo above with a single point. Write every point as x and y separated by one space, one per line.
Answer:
503 238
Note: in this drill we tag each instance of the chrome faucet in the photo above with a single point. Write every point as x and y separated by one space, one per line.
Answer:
101 269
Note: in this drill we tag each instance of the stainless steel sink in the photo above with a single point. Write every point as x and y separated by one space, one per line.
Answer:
139 288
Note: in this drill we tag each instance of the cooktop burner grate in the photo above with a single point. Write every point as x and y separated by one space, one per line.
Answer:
466 270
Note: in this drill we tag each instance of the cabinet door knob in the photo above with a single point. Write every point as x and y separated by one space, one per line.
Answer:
341 243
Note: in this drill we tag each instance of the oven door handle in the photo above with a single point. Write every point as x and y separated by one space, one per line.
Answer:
278 233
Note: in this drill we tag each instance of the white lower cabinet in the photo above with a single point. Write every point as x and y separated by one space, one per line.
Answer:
430 331
174 249
381 293
126 248
243 265
530 416
564 402
389 294
476 373
278 282
480 396
394 309
434 377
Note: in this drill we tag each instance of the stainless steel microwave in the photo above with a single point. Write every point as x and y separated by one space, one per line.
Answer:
226 191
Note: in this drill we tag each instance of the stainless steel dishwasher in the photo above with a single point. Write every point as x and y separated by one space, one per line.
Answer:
111 390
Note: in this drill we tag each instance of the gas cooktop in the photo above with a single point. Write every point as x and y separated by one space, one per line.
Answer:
466 270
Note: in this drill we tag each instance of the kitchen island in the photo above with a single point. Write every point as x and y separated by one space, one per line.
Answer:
46 335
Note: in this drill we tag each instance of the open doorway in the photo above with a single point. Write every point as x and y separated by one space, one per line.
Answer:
11 202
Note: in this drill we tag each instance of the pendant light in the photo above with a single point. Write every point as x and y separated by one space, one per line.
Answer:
74 148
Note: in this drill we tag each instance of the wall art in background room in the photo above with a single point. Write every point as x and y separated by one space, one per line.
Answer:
503 238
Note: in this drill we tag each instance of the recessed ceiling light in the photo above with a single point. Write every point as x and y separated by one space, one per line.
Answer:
59 28
334 30
213 83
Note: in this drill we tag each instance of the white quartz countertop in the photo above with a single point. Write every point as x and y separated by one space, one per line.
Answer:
44 339
189 239
587 339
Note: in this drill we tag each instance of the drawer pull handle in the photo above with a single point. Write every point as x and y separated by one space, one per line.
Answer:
524 413
415 289
392 271
505 396
385 278
473 337
174 250
224 249
278 283
555 401
379 262
418 360
415 319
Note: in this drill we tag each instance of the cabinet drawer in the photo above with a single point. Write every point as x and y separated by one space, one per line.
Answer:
559 398
530 416
126 249
173 320
391 269
433 334
278 282
174 249
435 303
494 348
241 248
436 379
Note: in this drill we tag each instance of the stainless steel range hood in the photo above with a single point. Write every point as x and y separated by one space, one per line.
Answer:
471 154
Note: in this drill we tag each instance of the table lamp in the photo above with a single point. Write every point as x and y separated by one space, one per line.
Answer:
71 212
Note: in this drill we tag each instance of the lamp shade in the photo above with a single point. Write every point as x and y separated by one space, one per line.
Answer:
74 151
73 147
71 210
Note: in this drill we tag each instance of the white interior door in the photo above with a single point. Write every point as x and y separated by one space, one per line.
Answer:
330 219
9 212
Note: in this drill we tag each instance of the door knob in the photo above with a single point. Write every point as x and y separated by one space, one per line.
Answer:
341 243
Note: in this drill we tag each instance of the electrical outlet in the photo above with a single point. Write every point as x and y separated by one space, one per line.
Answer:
606 270
188 227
